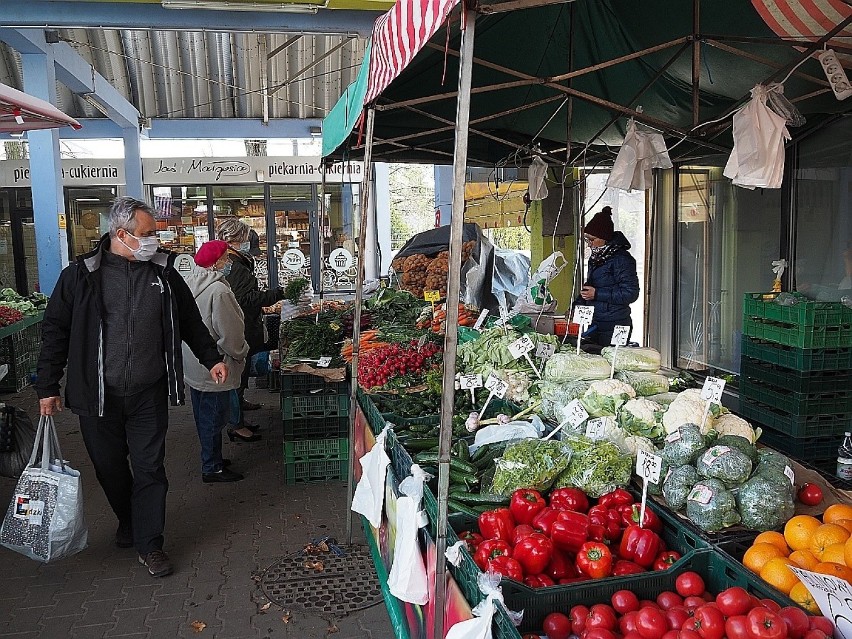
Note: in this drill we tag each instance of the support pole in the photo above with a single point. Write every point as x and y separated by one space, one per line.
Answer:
451 337
696 61
356 329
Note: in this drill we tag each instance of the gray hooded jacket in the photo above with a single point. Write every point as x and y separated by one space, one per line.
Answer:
224 319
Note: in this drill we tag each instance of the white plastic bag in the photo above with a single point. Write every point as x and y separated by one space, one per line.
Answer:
536 296
640 152
536 175
407 579
480 626
45 518
370 492
512 430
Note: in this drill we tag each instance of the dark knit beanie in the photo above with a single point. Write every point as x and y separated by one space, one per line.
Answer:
601 225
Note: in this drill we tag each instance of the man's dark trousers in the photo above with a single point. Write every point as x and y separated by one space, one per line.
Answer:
135 425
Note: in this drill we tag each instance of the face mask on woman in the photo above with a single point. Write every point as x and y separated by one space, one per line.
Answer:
147 247
226 270
245 247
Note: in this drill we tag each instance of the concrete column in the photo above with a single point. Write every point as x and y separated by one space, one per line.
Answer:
382 229
46 176
133 164
444 192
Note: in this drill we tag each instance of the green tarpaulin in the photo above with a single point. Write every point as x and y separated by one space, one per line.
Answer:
340 121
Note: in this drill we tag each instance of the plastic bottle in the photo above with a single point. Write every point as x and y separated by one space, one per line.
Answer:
844 458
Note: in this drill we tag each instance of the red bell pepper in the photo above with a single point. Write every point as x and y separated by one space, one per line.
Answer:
471 540
616 498
507 567
630 517
569 499
609 519
489 549
521 531
570 530
561 566
640 545
624 567
538 581
544 520
525 504
497 524
594 560
533 553
665 559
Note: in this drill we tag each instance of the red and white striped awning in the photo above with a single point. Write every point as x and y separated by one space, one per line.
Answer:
21 111
809 19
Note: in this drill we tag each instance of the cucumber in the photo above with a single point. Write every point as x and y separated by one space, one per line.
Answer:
463 478
420 428
422 443
488 458
462 451
458 507
480 499
456 464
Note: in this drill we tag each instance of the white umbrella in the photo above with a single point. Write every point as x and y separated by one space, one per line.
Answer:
21 112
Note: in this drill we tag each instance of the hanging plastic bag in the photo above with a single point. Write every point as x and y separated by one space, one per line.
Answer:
45 518
483 614
369 495
640 152
536 175
407 580
536 297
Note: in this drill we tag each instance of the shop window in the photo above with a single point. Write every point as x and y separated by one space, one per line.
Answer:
339 230
727 238
88 217
247 204
824 213
7 254
181 217
291 192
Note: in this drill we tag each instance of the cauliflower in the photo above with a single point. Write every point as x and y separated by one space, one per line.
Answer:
641 417
688 408
606 396
730 424
634 443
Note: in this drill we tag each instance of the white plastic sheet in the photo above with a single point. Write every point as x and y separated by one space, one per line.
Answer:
537 173
407 580
640 152
369 495
480 626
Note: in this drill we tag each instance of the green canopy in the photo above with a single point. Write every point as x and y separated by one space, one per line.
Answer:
343 117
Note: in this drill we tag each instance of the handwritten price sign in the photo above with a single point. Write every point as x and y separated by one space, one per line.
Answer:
496 386
648 466
583 315
712 390
620 334
324 362
521 347
432 296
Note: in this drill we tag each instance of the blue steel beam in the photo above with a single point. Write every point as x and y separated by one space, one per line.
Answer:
123 15
75 73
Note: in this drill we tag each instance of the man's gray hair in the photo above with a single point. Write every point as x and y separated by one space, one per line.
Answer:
231 230
122 214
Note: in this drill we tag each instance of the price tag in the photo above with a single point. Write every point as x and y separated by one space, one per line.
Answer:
671 438
521 346
496 385
832 595
481 319
504 317
574 413
620 335
421 342
648 466
701 494
545 351
324 362
583 315
790 474
432 296
712 390
596 428
469 382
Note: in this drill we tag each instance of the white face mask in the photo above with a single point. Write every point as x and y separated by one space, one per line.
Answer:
245 247
147 247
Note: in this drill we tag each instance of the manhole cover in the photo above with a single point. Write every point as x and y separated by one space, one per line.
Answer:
325 584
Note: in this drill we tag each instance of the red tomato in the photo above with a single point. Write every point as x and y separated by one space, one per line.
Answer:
601 616
579 615
557 626
708 596
647 603
688 634
810 494
633 635
813 633
693 602
765 624
689 584
708 622
627 623
625 601
668 599
651 623
769 604
676 616
797 621
734 601
736 627
819 622
603 633
671 634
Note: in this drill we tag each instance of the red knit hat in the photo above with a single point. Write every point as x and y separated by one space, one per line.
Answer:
601 225
210 252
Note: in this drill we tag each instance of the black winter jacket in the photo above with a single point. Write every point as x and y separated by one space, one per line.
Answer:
250 298
616 284
72 332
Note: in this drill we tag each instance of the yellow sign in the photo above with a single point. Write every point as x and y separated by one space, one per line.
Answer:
62 224
432 296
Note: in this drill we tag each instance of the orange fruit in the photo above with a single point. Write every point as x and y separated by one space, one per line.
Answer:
836 512
755 558
799 531
776 572
835 553
775 538
802 596
825 536
847 552
806 559
846 523
834 569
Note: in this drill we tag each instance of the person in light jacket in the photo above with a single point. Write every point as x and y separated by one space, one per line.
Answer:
224 319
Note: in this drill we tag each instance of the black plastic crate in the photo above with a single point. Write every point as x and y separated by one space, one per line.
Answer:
20 351
316 428
304 384
824 402
807 448
797 426
795 381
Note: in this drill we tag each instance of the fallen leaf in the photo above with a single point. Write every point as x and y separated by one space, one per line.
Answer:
198 626
265 606
286 617
332 629
324 547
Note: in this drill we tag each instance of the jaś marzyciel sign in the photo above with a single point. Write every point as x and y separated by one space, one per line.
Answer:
276 170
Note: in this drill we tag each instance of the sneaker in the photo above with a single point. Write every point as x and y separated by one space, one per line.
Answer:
124 536
226 462
157 562
224 475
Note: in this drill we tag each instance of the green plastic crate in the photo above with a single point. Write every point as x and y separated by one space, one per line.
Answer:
806 404
810 449
795 425
321 404
393 418
374 417
307 449
826 359
303 383
805 313
315 428
315 470
794 381
20 347
798 336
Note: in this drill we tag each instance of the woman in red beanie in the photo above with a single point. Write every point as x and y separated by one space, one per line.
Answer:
611 283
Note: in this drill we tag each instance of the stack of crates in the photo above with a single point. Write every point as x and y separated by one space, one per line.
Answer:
316 428
796 375
20 347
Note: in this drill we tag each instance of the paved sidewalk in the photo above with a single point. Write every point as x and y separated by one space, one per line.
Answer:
219 536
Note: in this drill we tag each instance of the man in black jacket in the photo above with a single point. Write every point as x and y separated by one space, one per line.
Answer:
116 319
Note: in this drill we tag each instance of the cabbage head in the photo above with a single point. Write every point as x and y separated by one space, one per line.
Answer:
571 367
645 384
764 504
634 359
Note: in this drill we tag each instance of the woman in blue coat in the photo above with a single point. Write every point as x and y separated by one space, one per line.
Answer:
612 283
